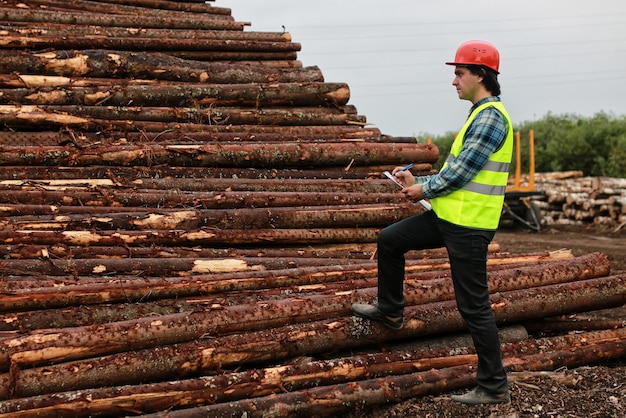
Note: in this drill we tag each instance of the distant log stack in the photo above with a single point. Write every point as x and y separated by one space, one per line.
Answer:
572 199
187 214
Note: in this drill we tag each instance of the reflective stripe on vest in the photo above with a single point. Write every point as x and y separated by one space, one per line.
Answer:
476 187
479 203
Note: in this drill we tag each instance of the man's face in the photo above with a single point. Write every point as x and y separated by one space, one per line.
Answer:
467 84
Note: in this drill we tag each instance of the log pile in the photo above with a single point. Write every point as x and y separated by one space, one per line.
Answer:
573 199
188 213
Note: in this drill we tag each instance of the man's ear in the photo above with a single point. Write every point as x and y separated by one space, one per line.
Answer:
482 74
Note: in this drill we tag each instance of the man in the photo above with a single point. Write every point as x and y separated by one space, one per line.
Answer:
467 197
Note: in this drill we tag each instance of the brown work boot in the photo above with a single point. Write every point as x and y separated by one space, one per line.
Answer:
372 313
479 396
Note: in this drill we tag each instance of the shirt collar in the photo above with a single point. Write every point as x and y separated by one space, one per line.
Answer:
482 101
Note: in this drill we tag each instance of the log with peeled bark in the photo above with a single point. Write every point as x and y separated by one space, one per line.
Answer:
245 50
199 200
192 184
304 132
560 325
216 320
187 95
60 30
305 374
207 133
47 138
277 237
47 116
20 295
339 251
150 126
113 173
344 216
135 7
196 6
173 20
155 267
258 59
40 81
133 126
213 354
260 155
148 65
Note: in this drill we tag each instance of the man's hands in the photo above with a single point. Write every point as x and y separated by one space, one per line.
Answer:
412 190
405 177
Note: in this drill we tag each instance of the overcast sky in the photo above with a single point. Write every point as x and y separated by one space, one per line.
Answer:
557 56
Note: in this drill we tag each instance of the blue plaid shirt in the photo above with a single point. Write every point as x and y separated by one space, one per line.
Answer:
484 136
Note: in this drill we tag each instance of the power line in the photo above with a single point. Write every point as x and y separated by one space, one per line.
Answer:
457 22
531 26
448 89
609 52
619 41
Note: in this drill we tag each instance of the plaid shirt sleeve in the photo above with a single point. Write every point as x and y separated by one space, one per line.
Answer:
485 135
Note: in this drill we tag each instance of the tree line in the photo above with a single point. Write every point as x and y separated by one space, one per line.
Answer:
594 145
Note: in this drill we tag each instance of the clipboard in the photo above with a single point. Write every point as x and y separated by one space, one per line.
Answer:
391 177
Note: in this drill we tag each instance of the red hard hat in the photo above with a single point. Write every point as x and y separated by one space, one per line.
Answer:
477 53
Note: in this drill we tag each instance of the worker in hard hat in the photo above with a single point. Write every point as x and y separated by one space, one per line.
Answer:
467 196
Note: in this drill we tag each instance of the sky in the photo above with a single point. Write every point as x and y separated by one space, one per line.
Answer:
556 56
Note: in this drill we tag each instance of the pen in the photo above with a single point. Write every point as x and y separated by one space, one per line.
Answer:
408 167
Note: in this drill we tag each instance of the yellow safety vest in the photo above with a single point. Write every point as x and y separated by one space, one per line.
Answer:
478 204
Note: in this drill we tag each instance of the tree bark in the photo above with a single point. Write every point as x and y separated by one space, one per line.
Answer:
250 50
206 200
349 216
47 116
174 20
196 6
339 251
61 30
210 133
187 95
276 155
191 184
148 65
133 7
152 267
202 174
193 238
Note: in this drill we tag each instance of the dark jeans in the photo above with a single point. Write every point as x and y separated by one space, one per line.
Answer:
467 250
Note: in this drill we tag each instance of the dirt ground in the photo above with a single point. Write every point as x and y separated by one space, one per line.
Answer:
594 391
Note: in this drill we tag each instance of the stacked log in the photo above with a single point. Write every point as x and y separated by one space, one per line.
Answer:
188 213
